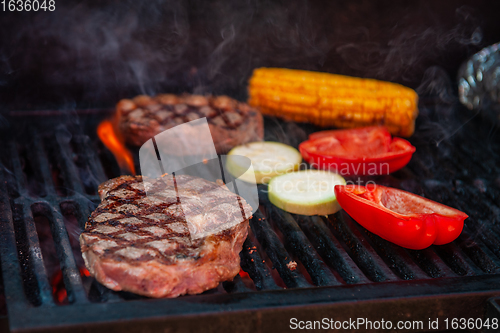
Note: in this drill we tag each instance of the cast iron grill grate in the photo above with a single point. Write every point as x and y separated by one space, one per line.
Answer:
48 188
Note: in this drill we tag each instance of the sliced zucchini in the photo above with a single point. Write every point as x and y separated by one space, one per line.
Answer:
308 192
269 159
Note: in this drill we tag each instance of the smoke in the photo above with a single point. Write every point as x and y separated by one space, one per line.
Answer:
89 53
110 46
416 39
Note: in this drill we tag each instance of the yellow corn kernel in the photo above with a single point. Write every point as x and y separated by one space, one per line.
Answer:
333 100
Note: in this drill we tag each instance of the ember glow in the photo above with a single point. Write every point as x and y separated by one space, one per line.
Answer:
84 271
108 136
59 290
243 274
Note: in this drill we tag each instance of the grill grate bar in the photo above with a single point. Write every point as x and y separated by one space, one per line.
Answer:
11 270
482 156
476 230
394 257
430 263
477 253
276 251
89 158
465 248
491 244
38 158
355 248
252 263
452 255
82 211
481 208
473 227
19 180
71 273
299 245
354 228
330 249
105 294
236 286
440 191
69 172
420 163
36 257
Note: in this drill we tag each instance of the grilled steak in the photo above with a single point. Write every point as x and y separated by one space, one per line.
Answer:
231 123
144 243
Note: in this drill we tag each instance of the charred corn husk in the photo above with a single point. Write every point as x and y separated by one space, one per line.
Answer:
333 100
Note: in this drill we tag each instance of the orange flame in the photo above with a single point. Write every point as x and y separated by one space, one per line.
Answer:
84 272
108 136
243 274
59 290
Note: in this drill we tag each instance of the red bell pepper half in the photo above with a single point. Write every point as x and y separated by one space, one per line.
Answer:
400 217
358 151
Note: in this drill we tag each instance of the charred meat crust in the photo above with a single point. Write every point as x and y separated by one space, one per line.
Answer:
231 122
142 244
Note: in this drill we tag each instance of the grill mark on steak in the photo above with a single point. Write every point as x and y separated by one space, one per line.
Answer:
137 228
163 114
231 122
224 117
116 224
141 244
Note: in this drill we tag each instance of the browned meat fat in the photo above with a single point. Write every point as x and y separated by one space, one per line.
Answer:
143 244
231 123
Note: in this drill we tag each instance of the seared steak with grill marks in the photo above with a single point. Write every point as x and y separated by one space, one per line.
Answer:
143 244
231 123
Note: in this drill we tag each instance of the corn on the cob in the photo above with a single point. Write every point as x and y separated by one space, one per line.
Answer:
333 100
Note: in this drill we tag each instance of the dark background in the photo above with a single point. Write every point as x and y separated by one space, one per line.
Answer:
90 54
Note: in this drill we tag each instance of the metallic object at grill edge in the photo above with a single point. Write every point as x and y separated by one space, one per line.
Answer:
479 82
